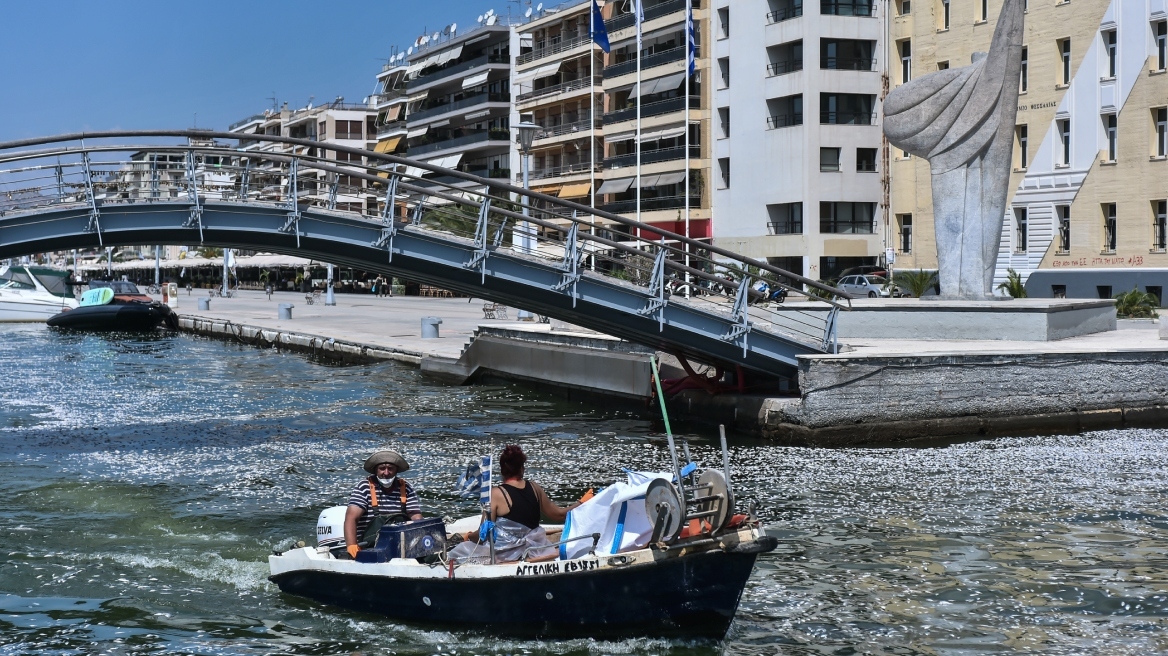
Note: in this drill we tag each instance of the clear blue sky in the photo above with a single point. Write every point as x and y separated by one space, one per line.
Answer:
67 66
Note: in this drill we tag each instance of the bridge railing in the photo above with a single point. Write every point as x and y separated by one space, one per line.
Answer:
408 195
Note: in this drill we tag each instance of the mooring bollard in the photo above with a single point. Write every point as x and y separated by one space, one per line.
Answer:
286 311
430 327
204 304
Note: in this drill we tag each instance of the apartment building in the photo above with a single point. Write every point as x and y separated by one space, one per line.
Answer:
665 120
558 85
460 108
390 102
797 95
1086 213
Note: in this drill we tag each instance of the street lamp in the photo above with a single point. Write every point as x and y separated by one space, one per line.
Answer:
527 130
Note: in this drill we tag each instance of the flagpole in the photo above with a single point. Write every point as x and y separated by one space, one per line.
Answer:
592 117
637 145
689 55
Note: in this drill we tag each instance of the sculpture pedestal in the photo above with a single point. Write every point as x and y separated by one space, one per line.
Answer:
1025 319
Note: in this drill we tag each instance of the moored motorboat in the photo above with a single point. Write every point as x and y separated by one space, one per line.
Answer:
25 298
115 306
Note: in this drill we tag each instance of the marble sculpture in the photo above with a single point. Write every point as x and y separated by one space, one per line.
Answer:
962 121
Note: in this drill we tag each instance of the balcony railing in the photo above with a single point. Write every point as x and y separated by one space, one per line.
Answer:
249 119
848 9
440 73
785 227
784 67
847 64
465 103
583 125
651 204
478 136
652 157
389 128
557 171
787 13
650 61
784 120
847 118
562 87
653 109
558 44
388 96
656 11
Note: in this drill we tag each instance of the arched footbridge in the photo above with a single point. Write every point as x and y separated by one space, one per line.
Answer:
398 216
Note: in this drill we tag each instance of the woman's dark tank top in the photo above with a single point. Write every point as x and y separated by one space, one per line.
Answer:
524 505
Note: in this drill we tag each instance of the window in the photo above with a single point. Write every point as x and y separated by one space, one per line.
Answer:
846 7
1025 70
846 109
1023 133
1110 124
322 130
945 14
1161 45
724 21
785 58
904 228
905 60
943 65
1109 43
1109 227
847 54
794 264
1104 291
985 10
1020 230
866 160
1160 119
846 218
724 168
348 129
785 218
724 121
1064 46
724 69
903 7
1064 228
1064 127
1160 225
829 159
1058 291
1157 291
785 112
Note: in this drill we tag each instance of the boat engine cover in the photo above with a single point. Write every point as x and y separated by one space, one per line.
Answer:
416 539
330 527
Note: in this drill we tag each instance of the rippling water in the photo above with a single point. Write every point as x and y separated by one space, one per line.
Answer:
144 480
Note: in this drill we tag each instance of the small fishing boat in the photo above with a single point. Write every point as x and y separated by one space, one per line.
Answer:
115 306
25 297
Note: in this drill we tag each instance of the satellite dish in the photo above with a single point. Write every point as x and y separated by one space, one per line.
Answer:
527 14
539 7
453 28
435 37
490 12
481 17
410 51
425 39
446 31
491 20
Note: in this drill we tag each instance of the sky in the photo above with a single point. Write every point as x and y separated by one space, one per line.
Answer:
69 66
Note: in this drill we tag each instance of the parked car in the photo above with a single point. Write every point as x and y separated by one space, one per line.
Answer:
865 270
870 286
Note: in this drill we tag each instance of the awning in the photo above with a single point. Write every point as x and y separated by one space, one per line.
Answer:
550 190
393 112
420 64
471 117
576 190
615 186
418 96
536 73
475 80
417 132
623 136
668 179
414 172
447 162
387 146
449 55
667 83
664 133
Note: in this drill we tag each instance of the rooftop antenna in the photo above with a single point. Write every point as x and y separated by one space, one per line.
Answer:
275 101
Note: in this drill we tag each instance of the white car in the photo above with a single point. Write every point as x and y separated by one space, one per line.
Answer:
870 286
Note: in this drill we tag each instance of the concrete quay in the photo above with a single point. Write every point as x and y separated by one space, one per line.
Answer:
877 391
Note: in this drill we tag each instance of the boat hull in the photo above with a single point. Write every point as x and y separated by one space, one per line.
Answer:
127 317
20 311
689 596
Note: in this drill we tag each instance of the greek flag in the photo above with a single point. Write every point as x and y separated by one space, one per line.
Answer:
599 31
485 482
691 40
639 16
470 481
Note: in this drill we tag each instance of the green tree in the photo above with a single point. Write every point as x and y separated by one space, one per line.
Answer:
1136 305
915 283
209 252
1013 285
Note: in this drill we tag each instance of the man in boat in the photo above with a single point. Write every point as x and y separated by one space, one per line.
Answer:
378 498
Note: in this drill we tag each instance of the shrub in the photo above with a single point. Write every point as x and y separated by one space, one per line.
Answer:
1135 305
1013 284
915 283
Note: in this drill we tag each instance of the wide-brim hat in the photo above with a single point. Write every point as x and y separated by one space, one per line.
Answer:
382 457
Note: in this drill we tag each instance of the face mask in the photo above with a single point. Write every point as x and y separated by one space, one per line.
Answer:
386 482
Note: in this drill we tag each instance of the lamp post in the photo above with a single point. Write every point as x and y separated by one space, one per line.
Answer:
329 298
525 243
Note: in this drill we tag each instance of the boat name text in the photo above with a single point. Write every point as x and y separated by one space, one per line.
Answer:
539 569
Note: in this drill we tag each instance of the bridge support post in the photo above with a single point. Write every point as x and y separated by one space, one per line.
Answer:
571 263
657 300
292 223
94 224
388 227
195 220
741 326
479 259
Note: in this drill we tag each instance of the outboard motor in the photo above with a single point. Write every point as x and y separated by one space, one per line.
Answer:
330 528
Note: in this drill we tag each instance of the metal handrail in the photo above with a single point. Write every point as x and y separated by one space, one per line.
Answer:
560 46
784 67
562 87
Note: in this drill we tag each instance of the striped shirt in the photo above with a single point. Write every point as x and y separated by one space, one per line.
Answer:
388 502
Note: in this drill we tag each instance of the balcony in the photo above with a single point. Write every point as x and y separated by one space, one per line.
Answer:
846 8
787 13
575 127
651 204
784 67
249 119
647 62
465 103
556 171
562 87
652 157
387 129
450 71
847 118
478 136
656 11
653 109
481 171
784 120
381 98
554 46
847 64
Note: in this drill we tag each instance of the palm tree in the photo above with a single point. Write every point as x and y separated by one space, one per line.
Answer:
915 283
1135 305
1013 284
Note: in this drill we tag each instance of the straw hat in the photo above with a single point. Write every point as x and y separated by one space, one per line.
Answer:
382 457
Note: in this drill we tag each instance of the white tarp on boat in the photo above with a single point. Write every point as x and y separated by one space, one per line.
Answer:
617 513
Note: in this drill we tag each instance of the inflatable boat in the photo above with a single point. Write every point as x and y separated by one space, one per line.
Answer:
115 306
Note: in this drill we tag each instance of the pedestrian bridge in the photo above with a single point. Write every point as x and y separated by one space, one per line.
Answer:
393 215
